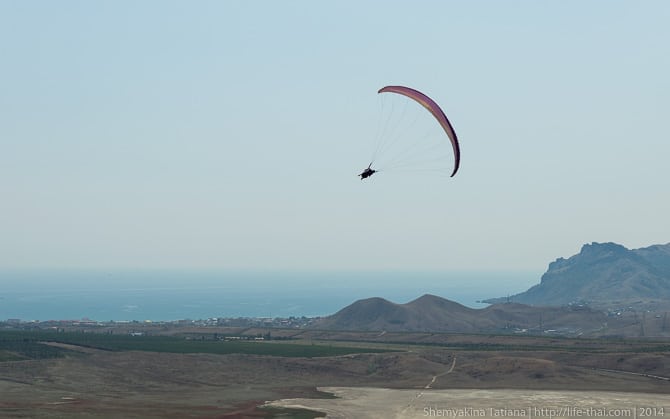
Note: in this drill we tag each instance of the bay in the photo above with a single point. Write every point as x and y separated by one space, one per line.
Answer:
124 295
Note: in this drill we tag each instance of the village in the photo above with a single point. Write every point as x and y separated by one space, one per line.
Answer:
141 327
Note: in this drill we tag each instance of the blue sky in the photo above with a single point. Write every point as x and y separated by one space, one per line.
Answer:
228 134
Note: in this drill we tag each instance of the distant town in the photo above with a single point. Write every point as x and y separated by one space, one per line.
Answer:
143 325
575 319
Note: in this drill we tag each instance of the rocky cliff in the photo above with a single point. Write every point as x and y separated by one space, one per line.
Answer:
602 273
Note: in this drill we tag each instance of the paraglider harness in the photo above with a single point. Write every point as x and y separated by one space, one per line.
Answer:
367 172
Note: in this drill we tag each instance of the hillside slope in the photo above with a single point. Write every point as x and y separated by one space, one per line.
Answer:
602 273
430 313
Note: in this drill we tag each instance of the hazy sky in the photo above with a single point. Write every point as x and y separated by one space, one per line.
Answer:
228 134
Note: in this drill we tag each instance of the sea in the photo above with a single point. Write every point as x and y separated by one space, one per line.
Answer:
127 295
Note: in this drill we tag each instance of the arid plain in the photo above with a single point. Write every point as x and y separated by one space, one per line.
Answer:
446 371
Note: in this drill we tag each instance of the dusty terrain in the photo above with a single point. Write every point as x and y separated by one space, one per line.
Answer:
360 403
96 383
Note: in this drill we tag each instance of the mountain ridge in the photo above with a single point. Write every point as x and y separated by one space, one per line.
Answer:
604 290
603 273
430 313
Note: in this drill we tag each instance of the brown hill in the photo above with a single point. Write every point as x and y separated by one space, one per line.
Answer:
430 313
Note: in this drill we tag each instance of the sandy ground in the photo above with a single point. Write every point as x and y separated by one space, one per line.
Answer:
380 403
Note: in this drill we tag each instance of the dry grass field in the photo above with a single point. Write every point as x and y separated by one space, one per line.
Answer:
142 384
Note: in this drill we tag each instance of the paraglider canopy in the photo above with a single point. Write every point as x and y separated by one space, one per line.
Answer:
436 111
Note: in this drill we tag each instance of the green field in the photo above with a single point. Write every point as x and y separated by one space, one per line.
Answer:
9 356
28 345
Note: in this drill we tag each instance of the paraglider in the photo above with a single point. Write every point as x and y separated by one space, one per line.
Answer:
367 172
432 107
